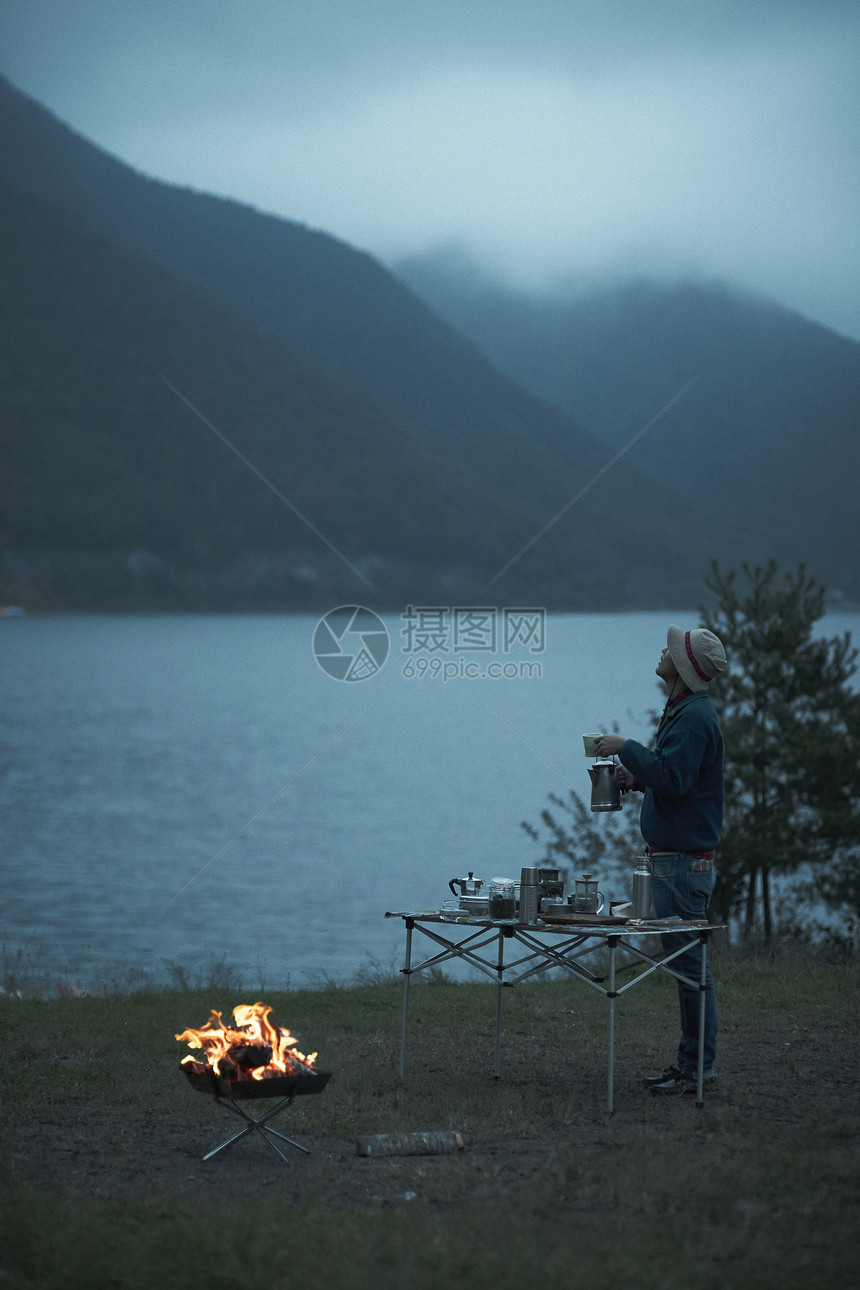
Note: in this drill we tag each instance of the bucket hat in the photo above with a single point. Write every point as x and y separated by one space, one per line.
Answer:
698 656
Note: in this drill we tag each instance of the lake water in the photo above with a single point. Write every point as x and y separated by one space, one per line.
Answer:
181 790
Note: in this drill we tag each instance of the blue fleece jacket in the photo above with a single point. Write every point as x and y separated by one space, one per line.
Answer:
682 776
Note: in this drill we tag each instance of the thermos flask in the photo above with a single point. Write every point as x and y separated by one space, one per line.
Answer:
642 888
529 895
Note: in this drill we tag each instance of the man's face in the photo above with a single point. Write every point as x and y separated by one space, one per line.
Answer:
666 669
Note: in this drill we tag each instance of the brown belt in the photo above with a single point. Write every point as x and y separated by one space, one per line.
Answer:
698 864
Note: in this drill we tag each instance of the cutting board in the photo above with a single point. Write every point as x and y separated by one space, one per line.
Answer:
584 920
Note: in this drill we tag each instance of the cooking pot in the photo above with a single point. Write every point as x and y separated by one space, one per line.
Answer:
476 906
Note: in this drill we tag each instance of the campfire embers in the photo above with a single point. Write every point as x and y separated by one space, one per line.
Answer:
254 1059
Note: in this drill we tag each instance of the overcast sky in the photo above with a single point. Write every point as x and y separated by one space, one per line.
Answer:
553 138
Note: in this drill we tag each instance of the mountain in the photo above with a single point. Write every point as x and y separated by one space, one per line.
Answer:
403 447
765 443
113 488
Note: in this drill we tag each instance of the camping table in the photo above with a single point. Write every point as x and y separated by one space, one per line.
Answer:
491 946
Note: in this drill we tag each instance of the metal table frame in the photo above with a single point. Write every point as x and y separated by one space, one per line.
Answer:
487 943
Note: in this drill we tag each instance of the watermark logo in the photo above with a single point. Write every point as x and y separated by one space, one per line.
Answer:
472 643
351 643
472 630
437 642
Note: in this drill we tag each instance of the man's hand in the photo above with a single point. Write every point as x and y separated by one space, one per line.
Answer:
625 779
608 745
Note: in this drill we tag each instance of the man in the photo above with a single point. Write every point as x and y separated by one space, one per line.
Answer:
681 819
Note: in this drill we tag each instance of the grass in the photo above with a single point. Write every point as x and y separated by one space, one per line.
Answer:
758 1189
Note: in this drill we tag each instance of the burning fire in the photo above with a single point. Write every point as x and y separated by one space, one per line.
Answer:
255 1049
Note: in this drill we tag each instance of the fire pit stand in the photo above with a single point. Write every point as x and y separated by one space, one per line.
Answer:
232 1093
257 1125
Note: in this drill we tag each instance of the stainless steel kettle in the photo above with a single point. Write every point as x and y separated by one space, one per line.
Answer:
605 788
466 886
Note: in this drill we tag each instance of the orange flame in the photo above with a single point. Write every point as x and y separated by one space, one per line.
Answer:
253 1030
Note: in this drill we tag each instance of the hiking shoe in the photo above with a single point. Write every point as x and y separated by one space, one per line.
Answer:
659 1077
682 1081
672 1072
676 1082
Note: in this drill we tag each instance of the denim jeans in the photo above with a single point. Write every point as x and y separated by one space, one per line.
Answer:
678 893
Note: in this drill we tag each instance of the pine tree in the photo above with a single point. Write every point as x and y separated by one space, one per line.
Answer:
791 725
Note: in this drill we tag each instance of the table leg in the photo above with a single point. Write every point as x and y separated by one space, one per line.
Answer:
500 969
407 972
700 1070
610 1066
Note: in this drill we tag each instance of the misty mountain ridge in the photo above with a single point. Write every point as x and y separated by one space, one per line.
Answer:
422 457
767 433
437 477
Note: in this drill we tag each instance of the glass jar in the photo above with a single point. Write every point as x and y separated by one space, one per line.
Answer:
502 899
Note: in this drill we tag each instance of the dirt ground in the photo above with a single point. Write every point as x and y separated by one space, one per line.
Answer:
767 1084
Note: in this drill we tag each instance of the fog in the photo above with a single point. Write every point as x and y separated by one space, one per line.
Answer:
555 141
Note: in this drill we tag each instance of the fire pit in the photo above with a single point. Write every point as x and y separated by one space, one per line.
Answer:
253 1060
